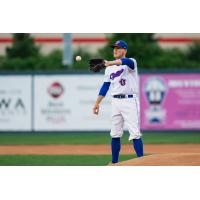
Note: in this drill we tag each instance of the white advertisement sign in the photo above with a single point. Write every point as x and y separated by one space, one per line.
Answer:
65 102
15 103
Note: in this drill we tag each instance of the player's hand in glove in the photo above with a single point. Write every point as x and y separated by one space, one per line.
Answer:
97 64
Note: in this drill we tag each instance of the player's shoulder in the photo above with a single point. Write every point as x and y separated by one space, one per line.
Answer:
133 59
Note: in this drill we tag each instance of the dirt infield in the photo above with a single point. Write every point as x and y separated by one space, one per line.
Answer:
162 154
94 149
173 159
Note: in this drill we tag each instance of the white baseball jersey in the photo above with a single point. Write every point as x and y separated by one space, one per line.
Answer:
123 79
125 111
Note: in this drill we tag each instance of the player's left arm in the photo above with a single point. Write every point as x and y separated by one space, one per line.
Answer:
123 61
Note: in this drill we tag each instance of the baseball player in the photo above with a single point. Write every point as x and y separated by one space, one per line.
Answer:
121 77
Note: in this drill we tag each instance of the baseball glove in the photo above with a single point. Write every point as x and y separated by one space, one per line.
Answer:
97 64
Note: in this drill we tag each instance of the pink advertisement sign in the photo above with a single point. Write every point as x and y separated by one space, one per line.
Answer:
170 102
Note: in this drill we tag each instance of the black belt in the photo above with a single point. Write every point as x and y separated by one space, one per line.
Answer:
122 96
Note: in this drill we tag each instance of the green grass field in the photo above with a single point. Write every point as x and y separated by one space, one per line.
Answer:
58 160
95 138
81 138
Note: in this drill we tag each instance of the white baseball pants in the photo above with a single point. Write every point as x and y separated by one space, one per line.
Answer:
126 112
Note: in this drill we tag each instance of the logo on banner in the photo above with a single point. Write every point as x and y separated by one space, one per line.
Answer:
11 106
155 91
55 111
55 90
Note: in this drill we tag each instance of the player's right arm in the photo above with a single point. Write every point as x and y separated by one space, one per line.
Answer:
102 93
123 61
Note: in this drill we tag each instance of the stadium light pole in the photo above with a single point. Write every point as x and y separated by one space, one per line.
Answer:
67 50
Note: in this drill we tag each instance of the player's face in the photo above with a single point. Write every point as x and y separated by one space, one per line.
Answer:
119 53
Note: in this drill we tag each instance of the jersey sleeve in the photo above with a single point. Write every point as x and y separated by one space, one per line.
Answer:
135 65
129 62
104 89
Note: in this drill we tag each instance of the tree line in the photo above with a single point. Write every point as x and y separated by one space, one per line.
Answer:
24 54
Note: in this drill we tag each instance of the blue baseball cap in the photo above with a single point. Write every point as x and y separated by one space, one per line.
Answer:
120 44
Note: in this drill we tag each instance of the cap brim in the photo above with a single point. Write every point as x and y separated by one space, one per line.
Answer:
114 45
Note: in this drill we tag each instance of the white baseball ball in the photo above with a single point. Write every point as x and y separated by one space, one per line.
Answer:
78 58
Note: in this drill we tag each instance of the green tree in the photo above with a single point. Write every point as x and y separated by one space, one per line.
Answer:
23 47
145 49
142 46
193 53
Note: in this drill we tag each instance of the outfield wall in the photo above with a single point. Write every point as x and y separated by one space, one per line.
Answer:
51 103
63 102
170 101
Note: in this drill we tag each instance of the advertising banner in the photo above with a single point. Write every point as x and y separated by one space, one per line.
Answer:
170 101
65 102
15 103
